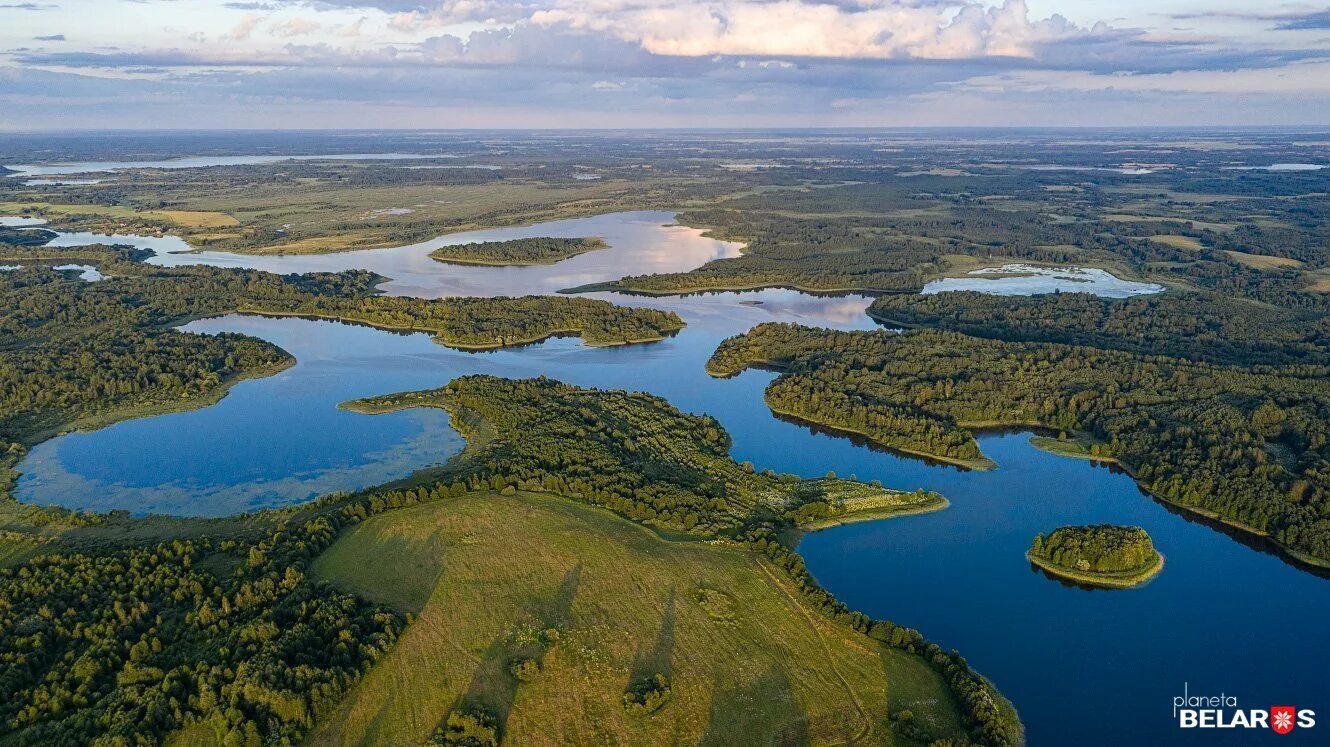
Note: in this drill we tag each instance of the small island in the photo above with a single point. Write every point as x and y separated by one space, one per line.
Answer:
1107 555
541 250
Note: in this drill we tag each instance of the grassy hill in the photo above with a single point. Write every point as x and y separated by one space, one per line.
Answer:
489 576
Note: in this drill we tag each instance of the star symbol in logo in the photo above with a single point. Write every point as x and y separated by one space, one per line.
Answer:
1283 720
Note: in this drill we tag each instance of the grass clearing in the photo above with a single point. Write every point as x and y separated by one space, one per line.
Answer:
1263 262
1180 242
488 574
183 218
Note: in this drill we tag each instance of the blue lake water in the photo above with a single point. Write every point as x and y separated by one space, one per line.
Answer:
1082 667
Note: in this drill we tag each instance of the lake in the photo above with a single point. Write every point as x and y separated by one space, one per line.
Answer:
28 170
1083 667
1028 280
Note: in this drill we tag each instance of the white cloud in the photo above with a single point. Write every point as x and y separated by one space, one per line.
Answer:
878 29
295 27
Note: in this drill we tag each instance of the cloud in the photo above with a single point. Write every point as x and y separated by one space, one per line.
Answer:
27 6
1285 20
51 38
1301 80
295 27
884 29
1308 22
655 62
245 27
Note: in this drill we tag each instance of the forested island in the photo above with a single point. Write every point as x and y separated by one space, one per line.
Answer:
541 250
1250 446
1101 555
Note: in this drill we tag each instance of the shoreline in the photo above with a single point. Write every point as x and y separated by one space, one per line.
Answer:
591 246
612 286
439 337
874 514
1102 581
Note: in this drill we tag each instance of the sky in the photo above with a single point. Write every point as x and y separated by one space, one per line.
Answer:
303 64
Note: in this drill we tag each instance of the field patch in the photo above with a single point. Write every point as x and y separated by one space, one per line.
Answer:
599 605
1263 262
1179 242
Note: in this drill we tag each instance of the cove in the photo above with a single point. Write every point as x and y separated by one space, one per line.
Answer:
1082 667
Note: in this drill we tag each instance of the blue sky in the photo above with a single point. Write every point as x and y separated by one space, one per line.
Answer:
654 63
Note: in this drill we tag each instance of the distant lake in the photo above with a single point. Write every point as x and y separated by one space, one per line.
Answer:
1083 667
197 162
1279 167
1030 280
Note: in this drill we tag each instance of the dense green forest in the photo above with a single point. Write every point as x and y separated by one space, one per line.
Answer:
1100 548
24 236
486 322
222 642
532 251
1251 446
1196 326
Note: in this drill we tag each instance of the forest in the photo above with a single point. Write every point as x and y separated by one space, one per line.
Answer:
485 322
1198 326
1250 446
215 641
533 251
1100 548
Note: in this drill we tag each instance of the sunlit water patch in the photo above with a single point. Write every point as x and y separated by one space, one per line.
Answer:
86 272
1030 280
1279 167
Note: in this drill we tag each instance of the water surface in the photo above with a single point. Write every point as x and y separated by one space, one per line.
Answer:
196 162
1029 280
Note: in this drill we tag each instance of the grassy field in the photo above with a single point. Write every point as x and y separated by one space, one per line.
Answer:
184 218
488 575
1077 447
1181 242
1263 262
